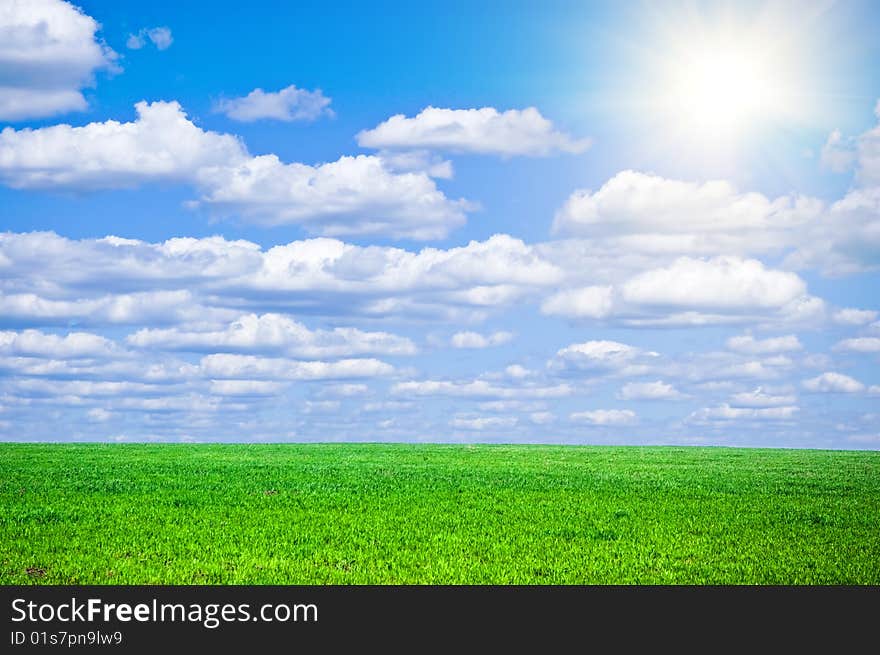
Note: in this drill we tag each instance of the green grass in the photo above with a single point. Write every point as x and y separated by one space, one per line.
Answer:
345 513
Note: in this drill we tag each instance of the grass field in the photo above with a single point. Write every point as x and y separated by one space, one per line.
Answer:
307 514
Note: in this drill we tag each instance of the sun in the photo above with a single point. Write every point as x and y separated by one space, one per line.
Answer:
721 89
709 84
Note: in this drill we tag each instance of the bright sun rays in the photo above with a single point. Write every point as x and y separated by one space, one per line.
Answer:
717 86
705 86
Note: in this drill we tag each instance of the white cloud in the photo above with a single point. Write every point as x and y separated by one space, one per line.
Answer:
542 418
752 369
605 417
161 145
838 154
160 37
727 413
832 382
508 406
155 307
99 415
584 302
657 390
275 332
48 53
288 104
597 355
33 343
722 283
517 372
483 423
226 366
847 240
851 316
685 292
477 340
212 280
75 390
860 345
388 406
759 398
477 389
188 404
868 146
415 161
861 152
321 406
749 345
353 195
639 213
648 213
486 131
245 387
343 390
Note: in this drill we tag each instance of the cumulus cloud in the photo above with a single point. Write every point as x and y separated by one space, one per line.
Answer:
599 355
760 398
583 302
321 406
353 195
653 214
725 412
868 154
509 406
636 212
350 196
228 366
687 291
343 390
860 345
245 387
49 52
73 391
415 161
832 382
162 144
275 332
388 406
154 307
749 345
99 415
50 280
288 104
542 418
847 240
477 340
657 390
838 153
721 283
605 417
517 371
486 131
33 343
483 422
850 316
159 36
478 389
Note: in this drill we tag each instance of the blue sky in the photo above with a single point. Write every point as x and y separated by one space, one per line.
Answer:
550 222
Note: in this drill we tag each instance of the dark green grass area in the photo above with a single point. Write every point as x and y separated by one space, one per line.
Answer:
345 513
